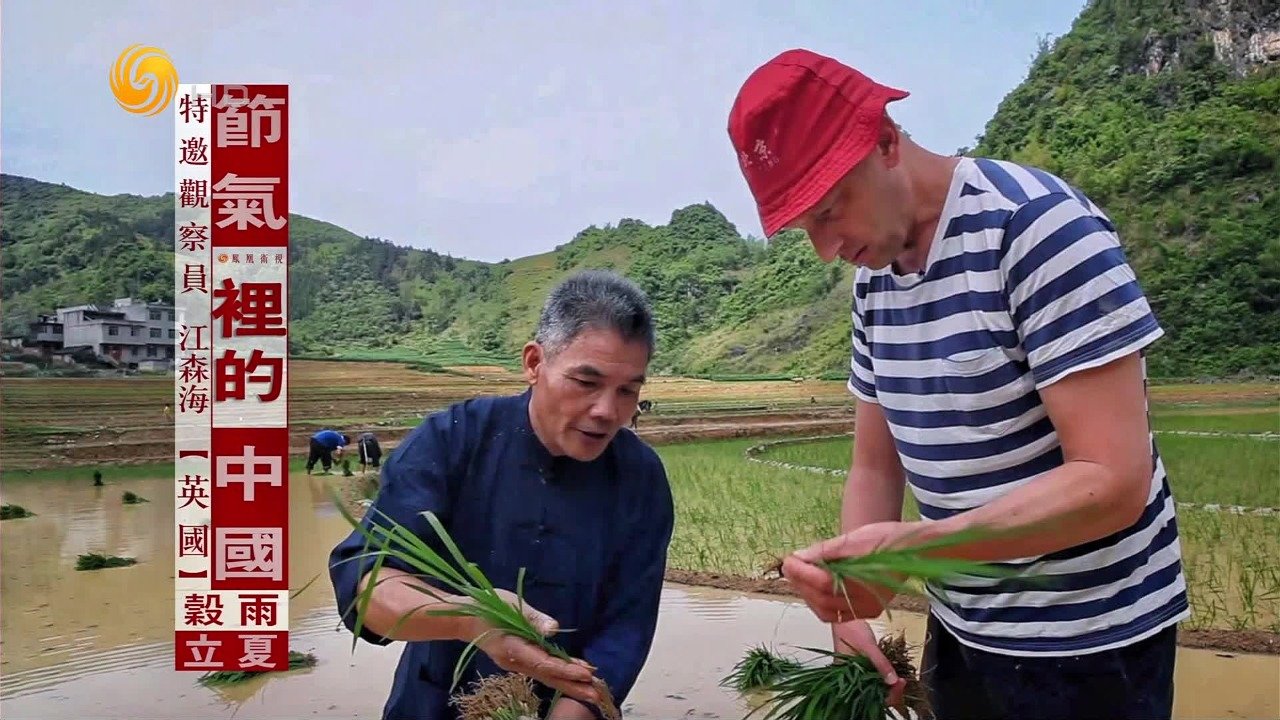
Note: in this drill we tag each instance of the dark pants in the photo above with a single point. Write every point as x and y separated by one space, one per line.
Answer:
321 454
370 452
1129 683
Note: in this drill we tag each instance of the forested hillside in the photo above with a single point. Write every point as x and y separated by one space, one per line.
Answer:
726 304
1166 112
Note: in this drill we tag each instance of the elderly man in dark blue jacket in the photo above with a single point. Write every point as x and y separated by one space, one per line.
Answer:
549 481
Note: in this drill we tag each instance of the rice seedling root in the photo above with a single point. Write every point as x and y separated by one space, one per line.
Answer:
511 696
607 705
848 686
499 697
898 653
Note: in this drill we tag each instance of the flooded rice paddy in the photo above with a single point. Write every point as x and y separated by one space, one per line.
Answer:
77 644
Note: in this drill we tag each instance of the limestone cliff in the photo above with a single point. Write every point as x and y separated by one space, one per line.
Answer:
1243 34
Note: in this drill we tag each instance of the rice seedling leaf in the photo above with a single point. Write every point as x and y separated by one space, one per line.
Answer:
847 687
466 579
899 569
476 576
759 667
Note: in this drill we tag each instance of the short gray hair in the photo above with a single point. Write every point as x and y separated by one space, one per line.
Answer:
599 300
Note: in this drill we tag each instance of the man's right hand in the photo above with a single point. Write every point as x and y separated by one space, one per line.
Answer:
514 654
856 638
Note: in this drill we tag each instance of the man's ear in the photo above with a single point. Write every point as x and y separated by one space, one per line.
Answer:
532 356
889 142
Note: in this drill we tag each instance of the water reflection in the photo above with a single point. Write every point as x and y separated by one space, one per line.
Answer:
51 611
99 644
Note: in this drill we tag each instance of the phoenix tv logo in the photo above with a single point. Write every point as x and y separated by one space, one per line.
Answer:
143 80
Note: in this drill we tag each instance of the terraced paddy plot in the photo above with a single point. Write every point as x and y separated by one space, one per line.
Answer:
735 514
68 421
734 517
1230 528
1203 468
1238 419
96 644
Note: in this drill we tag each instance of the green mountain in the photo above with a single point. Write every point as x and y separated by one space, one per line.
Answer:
726 304
1167 113
1164 111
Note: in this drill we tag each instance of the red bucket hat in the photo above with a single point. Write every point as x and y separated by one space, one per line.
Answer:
800 122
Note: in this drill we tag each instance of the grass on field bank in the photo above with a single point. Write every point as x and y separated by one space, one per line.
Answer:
432 354
1238 420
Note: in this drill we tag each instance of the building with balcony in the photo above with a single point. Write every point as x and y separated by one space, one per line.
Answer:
129 333
44 336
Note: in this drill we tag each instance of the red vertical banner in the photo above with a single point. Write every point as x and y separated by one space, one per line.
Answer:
250 174
239 619
250 508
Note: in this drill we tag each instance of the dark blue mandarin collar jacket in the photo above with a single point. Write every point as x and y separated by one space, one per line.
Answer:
592 538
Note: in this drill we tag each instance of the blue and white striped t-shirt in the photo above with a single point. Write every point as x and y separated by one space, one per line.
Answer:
1025 283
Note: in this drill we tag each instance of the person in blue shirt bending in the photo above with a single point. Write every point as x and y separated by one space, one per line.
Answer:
324 445
550 481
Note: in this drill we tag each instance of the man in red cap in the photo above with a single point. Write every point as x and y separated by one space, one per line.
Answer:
998 364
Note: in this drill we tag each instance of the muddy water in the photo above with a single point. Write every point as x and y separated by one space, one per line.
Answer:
98 644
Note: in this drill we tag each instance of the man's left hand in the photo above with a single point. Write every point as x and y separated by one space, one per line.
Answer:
816 586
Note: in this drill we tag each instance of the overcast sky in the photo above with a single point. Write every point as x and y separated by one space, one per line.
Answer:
485 129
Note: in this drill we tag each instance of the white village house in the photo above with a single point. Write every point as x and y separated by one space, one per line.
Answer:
128 333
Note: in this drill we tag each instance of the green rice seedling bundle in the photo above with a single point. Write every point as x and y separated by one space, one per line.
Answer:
904 570
297 660
98 561
757 669
131 498
14 512
848 687
462 578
